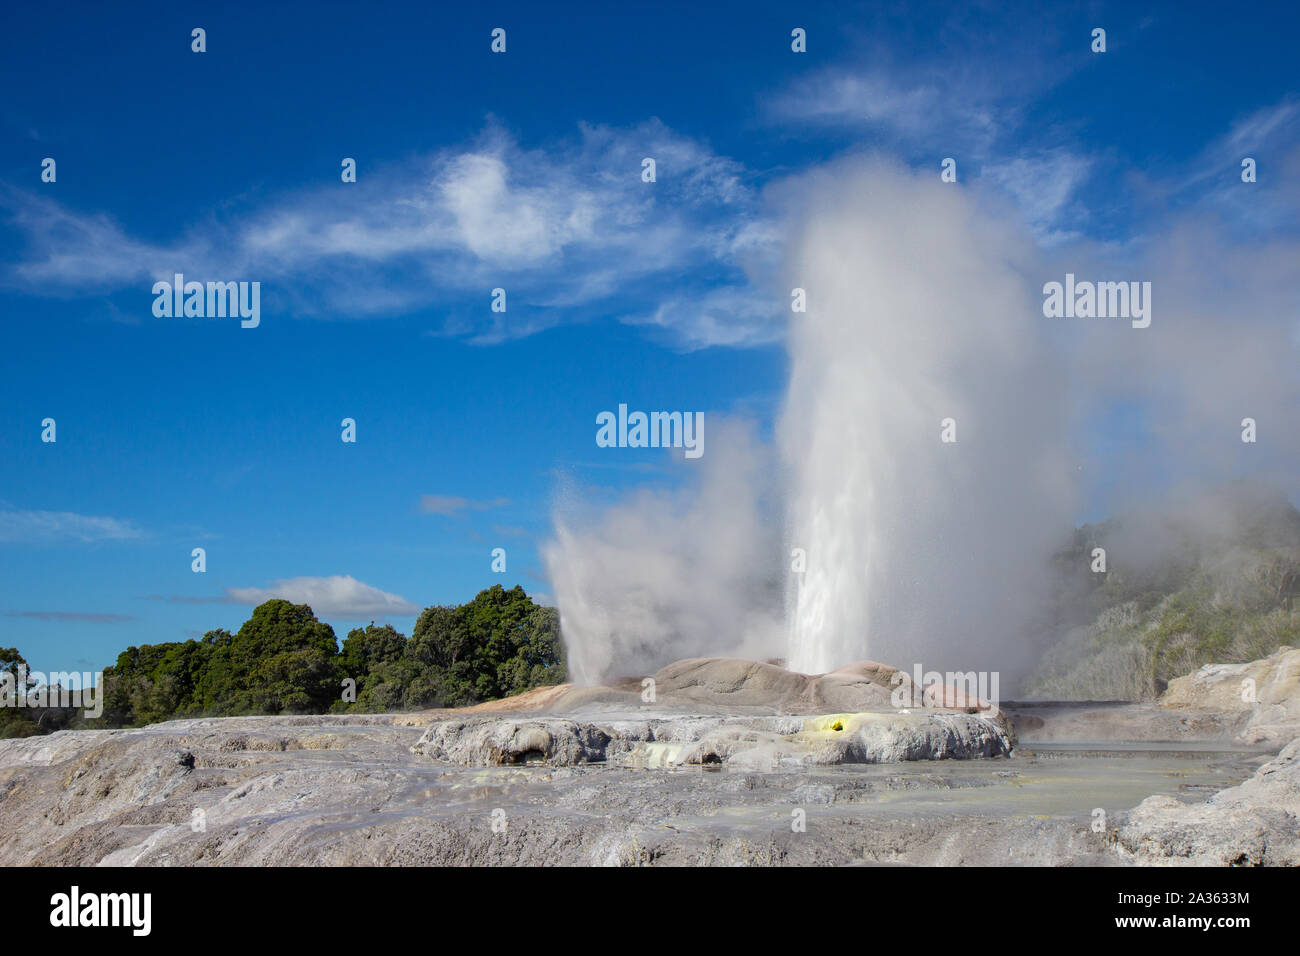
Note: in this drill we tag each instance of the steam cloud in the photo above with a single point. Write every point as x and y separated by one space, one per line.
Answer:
925 303
666 575
920 309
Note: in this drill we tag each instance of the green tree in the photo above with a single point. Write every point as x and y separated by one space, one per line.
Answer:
15 721
281 660
284 660
498 644
375 658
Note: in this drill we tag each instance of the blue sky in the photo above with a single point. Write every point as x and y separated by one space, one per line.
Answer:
478 170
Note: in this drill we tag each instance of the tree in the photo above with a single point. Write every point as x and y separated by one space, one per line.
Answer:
281 660
284 660
375 658
364 649
498 644
16 722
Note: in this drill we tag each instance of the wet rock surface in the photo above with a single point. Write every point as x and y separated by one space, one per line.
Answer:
1254 824
1262 696
1252 704
756 743
733 763
259 791
1120 721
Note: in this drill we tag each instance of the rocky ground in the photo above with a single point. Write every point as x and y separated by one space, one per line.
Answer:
732 762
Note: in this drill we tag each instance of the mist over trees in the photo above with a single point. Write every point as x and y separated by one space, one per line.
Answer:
1210 578
283 660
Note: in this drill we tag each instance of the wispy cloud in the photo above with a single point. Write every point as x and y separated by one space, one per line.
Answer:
1044 184
453 505
570 227
728 315
339 596
37 527
997 119
874 99
939 114
185 599
1263 129
1270 136
947 89
87 616
962 100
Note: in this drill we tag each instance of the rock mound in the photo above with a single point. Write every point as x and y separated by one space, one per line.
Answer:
730 685
1265 692
741 742
722 710
496 742
1254 824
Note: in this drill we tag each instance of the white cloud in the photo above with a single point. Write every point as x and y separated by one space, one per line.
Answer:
1262 128
859 99
453 504
562 229
1043 184
947 91
943 106
86 250
53 526
736 316
1270 136
92 617
336 596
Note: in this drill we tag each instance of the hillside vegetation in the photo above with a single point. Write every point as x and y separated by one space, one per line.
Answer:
1212 579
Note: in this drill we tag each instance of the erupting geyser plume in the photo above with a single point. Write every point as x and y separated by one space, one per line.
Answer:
918 312
925 320
916 549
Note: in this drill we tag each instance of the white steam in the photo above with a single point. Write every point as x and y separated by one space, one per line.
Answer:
924 303
666 575
919 310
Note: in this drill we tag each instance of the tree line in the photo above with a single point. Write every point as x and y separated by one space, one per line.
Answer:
283 660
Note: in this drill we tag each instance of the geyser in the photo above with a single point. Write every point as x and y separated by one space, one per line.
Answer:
921 307
918 311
